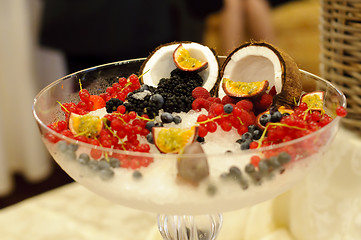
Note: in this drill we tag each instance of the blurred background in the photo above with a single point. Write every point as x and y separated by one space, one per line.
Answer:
41 42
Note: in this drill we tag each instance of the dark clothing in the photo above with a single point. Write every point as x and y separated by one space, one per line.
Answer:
111 30
276 3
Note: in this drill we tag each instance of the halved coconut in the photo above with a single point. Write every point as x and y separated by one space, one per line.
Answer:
159 64
257 61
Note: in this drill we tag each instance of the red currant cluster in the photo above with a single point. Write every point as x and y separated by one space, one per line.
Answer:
86 104
227 116
121 88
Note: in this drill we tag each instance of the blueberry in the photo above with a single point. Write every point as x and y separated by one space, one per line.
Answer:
149 125
200 139
114 162
103 164
274 162
106 173
257 134
247 135
166 117
273 109
284 157
263 167
137 174
227 108
245 144
93 165
150 138
240 141
157 100
83 158
252 128
265 118
276 116
235 172
62 146
177 119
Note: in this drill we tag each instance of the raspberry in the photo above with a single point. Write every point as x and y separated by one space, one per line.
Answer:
200 92
245 105
264 102
247 118
199 103
227 99
214 100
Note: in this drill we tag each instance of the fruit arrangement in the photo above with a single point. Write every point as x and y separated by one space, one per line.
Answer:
257 93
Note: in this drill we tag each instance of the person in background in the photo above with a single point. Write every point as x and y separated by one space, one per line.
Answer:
93 32
245 20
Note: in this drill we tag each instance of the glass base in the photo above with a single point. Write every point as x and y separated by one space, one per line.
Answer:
185 227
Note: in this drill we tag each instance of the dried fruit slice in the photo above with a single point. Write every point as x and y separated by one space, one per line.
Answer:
184 61
253 61
85 125
243 89
173 140
314 100
192 169
160 63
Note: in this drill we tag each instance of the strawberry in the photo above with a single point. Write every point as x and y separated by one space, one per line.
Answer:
98 102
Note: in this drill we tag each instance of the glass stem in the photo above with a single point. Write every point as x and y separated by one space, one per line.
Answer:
187 227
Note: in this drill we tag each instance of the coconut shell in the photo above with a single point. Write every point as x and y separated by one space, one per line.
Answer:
141 69
291 75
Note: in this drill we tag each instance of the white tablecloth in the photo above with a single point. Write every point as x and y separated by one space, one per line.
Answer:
326 205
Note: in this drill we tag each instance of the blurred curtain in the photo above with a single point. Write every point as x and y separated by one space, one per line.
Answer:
24 69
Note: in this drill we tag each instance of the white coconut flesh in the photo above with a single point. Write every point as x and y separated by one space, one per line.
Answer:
252 64
161 63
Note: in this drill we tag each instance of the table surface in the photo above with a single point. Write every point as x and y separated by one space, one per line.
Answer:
326 210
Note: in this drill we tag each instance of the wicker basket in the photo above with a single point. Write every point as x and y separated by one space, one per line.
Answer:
340 26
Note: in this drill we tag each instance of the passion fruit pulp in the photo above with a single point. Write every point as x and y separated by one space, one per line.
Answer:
173 140
244 89
314 100
184 61
85 125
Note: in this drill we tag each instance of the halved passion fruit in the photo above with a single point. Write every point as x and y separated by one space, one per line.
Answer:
244 89
160 63
184 61
173 140
314 100
85 125
253 61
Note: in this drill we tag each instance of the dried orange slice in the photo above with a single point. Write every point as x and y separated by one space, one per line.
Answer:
314 100
85 125
173 140
185 62
243 89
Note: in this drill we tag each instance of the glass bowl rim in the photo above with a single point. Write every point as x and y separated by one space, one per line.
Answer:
162 155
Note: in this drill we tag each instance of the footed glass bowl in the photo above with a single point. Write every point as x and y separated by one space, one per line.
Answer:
186 211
